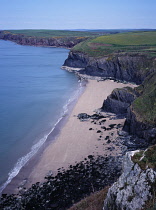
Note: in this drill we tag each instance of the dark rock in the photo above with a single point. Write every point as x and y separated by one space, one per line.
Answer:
103 127
107 137
122 133
96 116
140 129
119 67
83 116
108 129
76 60
109 141
68 187
119 126
103 121
119 101
112 125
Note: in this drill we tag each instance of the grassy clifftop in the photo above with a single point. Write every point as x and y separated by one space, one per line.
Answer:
132 42
53 33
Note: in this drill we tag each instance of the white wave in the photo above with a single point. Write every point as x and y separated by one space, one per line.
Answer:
34 149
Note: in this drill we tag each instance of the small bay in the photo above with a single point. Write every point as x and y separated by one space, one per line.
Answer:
34 92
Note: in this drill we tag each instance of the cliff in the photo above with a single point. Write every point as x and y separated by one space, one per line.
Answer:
119 100
138 106
135 188
129 67
137 183
67 42
141 117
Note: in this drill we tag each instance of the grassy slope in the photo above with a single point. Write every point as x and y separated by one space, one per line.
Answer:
145 105
93 202
132 43
143 42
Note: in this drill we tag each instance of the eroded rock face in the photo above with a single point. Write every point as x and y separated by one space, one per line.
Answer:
119 100
67 42
131 68
138 128
132 189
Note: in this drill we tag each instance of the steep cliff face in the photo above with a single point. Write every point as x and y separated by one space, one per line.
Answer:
119 100
143 130
67 42
141 117
133 188
76 60
132 68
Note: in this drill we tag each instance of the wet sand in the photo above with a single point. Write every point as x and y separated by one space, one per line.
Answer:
77 139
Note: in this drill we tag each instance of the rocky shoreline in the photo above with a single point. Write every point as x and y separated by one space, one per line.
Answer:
79 180
92 174
68 187
121 68
65 42
125 67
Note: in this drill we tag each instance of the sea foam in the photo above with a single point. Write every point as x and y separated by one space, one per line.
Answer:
34 149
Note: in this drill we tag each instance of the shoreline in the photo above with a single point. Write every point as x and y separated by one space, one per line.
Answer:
26 168
69 145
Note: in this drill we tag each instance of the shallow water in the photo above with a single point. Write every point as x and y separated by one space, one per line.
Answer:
34 92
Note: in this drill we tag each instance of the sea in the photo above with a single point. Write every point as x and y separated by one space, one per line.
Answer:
35 94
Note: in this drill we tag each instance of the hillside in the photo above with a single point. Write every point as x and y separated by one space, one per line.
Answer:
52 33
132 42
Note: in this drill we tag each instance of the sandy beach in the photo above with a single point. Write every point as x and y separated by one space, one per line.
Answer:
77 139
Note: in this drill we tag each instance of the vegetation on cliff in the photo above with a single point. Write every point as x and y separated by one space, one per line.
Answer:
146 159
51 33
132 42
145 105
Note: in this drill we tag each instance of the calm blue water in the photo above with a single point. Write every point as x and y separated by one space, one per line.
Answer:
33 92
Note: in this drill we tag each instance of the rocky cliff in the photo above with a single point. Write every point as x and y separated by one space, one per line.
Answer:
141 117
141 129
128 67
67 42
119 100
135 186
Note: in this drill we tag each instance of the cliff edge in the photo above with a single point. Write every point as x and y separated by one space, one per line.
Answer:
50 41
135 188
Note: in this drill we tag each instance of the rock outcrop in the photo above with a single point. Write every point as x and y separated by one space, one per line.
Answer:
133 188
143 130
141 117
128 67
119 100
67 42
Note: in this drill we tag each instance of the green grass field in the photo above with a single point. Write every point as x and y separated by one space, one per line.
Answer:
133 42
127 39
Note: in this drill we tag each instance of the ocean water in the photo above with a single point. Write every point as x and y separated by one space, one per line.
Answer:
34 95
